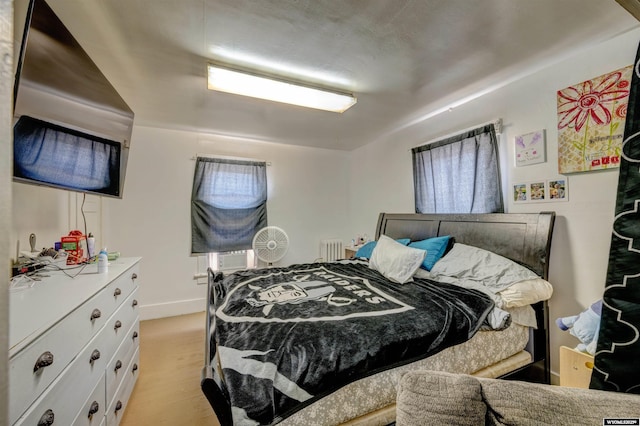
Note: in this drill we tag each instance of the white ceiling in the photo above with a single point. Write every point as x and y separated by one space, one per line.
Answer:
401 58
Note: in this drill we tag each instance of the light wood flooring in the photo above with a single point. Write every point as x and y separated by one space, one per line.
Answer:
168 388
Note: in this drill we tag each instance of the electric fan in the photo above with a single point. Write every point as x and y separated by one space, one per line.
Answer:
270 244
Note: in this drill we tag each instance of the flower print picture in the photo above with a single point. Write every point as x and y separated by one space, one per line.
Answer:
591 118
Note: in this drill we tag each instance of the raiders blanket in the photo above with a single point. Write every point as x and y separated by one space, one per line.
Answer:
285 337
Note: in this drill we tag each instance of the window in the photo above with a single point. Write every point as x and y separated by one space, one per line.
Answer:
460 174
228 204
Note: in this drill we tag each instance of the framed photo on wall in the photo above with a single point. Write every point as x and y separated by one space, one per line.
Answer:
558 189
530 148
520 194
538 191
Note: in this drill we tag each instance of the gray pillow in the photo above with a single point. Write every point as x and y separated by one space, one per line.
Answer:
438 398
519 403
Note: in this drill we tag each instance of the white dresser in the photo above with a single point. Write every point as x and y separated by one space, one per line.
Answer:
73 347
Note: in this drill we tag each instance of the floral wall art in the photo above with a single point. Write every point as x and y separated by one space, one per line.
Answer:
591 118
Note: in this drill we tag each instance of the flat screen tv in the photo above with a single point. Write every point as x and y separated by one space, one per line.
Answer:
72 130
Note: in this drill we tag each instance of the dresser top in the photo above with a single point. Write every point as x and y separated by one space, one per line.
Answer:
35 309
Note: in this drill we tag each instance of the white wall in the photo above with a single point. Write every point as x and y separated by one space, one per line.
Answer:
381 178
307 197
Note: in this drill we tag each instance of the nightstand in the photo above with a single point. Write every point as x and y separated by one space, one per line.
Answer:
351 251
575 368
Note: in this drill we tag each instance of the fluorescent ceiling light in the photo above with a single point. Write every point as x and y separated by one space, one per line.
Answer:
240 83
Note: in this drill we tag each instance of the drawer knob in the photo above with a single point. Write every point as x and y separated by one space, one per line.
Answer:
118 365
94 408
47 418
44 360
134 276
134 368
117 292
134 303
118 406
117 325
135 335
95 355
96 314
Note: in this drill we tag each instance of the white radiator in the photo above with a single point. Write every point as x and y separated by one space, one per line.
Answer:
331 250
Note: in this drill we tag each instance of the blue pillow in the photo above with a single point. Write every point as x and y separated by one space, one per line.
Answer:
367 249
435 248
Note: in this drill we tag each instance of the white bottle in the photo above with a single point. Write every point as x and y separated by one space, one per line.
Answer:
91 246
103 261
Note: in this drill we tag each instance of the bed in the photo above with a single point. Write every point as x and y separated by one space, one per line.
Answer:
356 385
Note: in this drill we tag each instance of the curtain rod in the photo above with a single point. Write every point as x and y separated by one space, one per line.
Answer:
229 157
497 124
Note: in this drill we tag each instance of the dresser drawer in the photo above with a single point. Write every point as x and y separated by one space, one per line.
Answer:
34 368
116 369
67 393
119 324
93 410
121 397
120 288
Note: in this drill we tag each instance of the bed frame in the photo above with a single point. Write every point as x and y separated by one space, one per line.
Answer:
522 237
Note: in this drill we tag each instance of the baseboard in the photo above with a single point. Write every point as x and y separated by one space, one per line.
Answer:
555 378
171 309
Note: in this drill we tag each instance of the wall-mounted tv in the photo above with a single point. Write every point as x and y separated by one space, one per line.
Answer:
72 130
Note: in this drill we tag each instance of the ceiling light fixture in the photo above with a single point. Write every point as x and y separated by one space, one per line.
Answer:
242 83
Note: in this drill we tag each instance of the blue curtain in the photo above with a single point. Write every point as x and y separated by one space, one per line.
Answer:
66 158
228 204
460 174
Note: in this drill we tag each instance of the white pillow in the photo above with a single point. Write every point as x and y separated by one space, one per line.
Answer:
526 292
395 261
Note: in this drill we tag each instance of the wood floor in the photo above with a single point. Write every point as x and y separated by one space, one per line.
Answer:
168 388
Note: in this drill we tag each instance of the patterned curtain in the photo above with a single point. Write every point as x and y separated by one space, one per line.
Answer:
616 359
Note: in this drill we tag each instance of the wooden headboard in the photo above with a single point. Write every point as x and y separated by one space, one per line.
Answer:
522 237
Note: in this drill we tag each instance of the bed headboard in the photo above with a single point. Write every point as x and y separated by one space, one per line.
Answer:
522 237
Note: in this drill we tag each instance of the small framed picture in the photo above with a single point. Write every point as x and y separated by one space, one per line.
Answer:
558 189
538 191
530 148
520 194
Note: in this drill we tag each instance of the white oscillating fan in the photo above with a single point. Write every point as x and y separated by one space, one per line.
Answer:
270 244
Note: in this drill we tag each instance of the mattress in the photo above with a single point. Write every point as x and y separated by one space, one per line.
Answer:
487 354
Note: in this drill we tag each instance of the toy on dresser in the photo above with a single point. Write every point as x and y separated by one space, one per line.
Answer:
585 326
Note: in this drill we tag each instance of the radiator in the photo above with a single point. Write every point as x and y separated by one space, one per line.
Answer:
331 249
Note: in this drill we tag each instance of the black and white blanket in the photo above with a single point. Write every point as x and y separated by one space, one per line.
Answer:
285 337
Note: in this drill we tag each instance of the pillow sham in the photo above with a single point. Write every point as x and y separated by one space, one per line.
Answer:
512 284
366 250
435 248
526 292
473 263
395 261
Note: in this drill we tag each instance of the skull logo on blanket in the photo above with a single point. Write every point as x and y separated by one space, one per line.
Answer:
306 295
